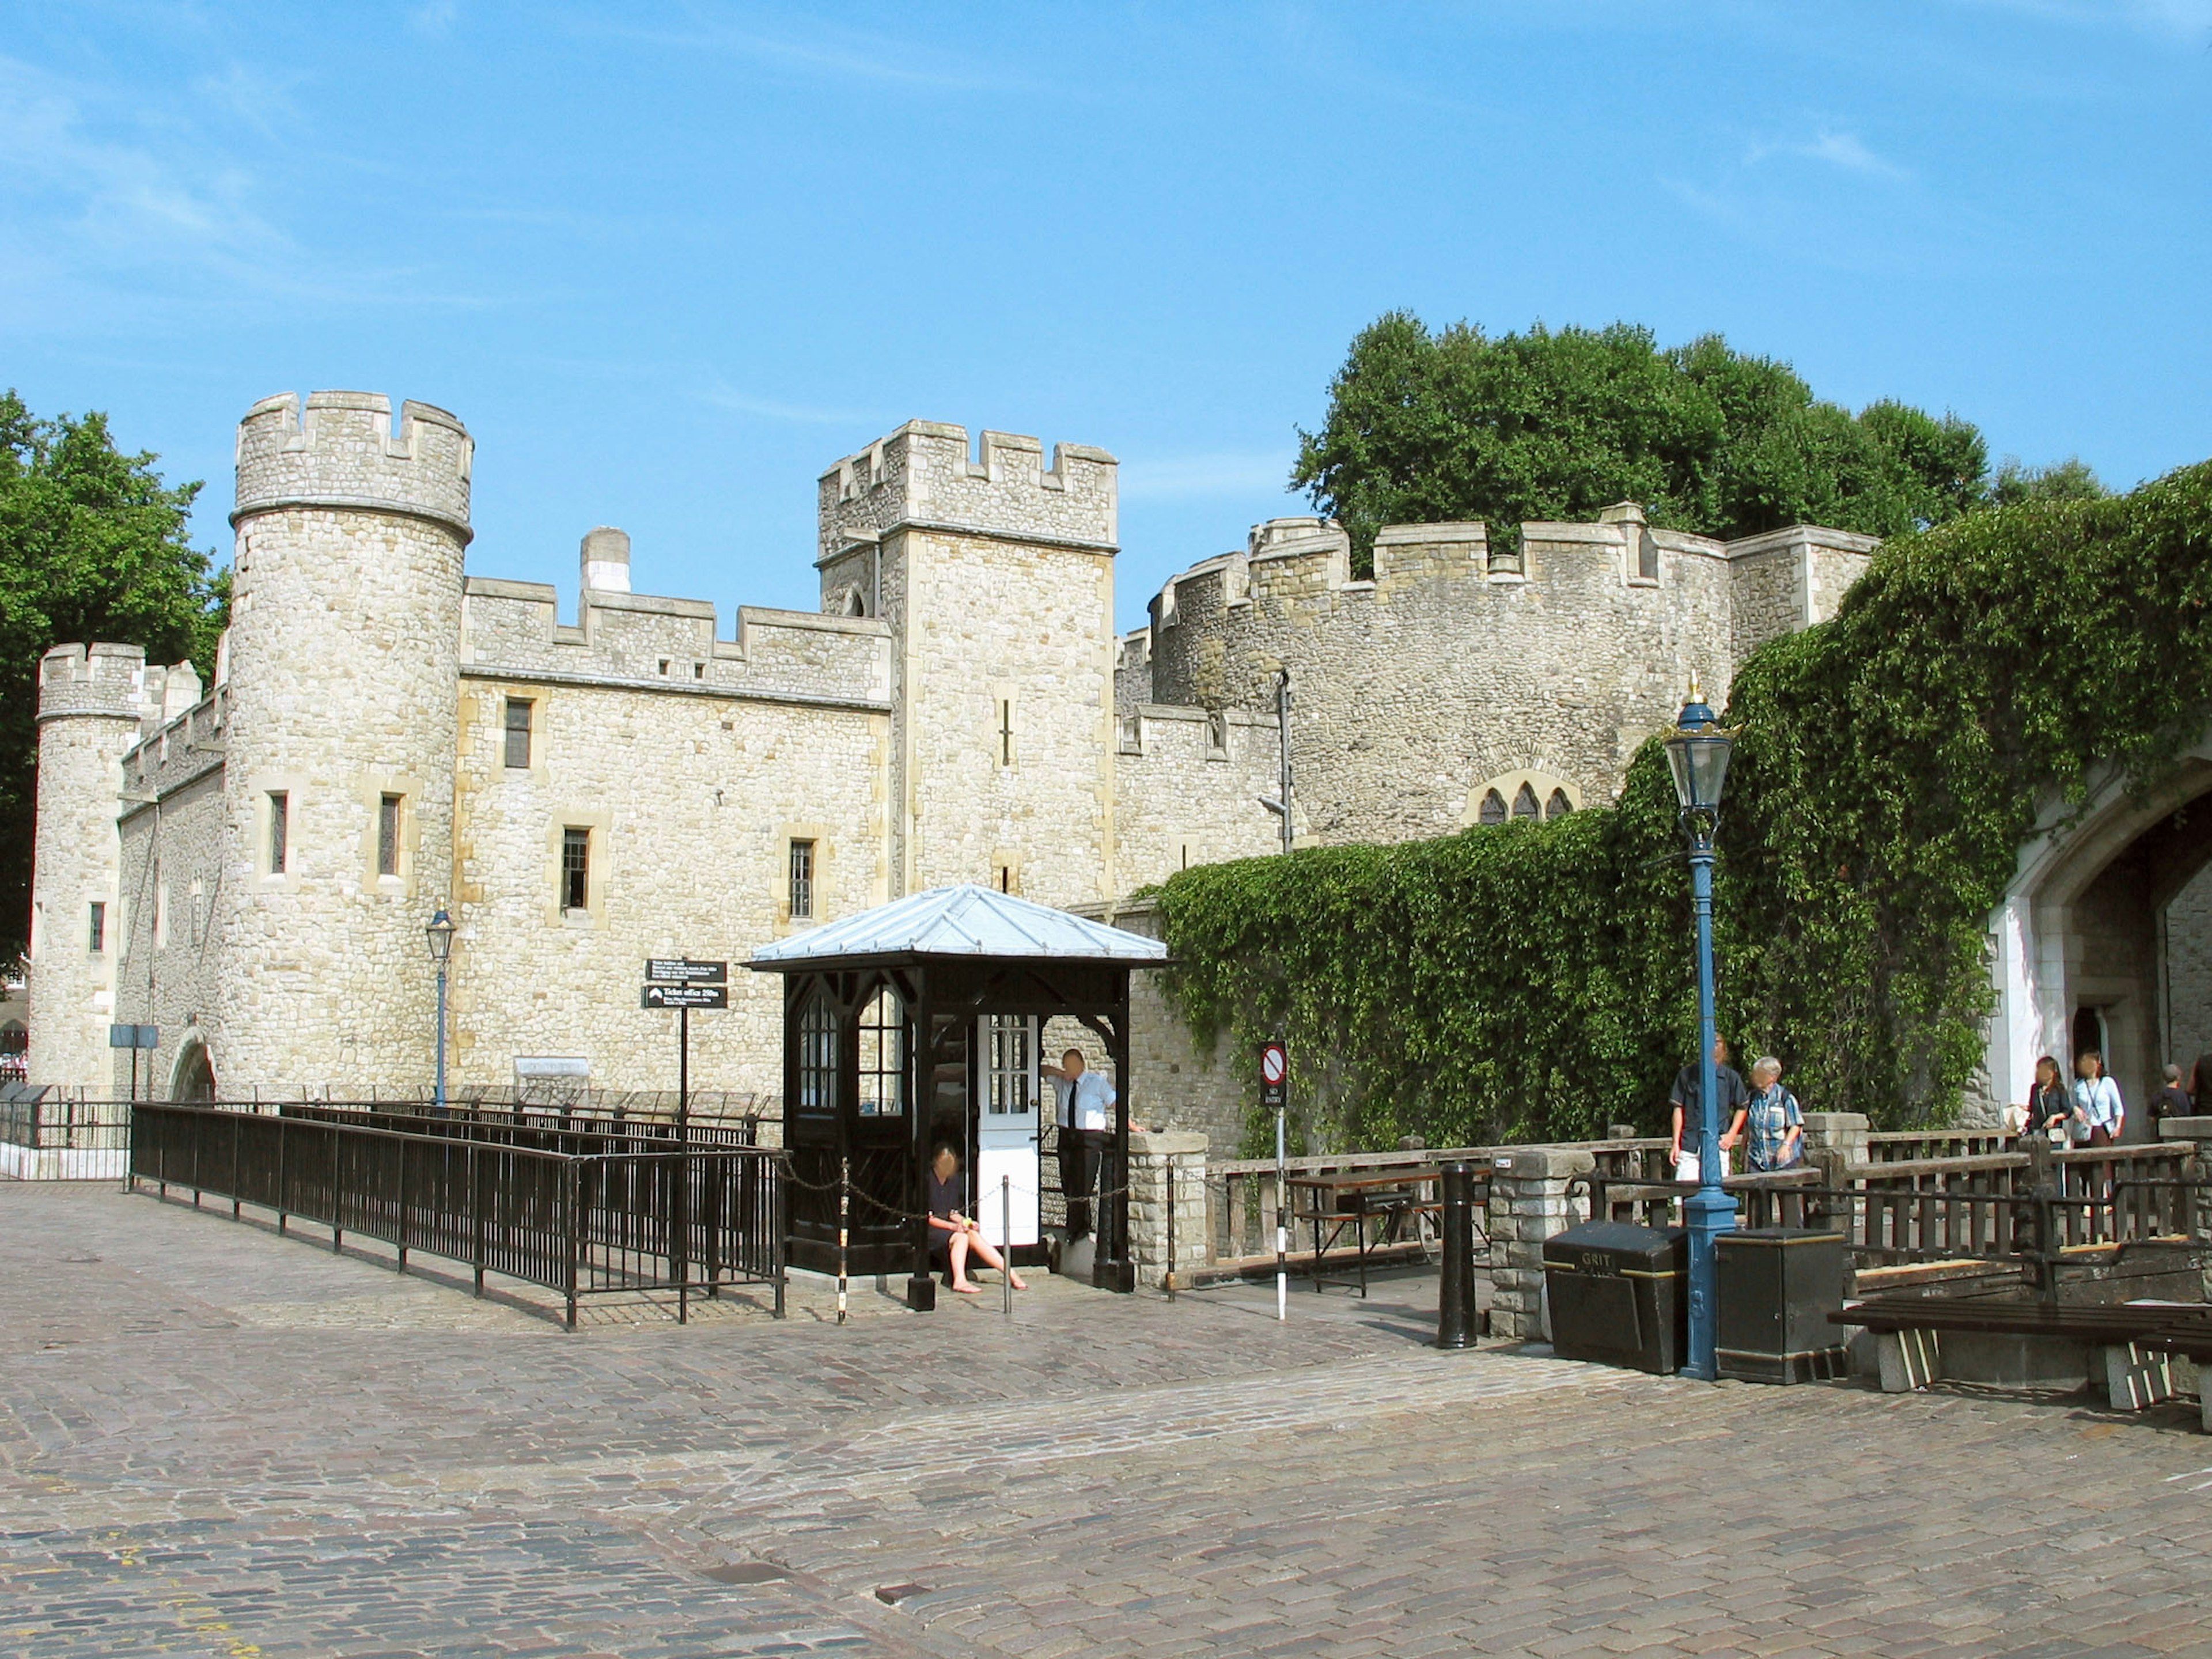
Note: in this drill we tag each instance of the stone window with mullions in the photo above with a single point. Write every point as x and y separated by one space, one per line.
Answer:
1494 808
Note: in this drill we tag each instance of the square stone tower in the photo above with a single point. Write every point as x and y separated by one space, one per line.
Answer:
996 575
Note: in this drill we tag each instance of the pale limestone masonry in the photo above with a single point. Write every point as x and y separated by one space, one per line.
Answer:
1528 1204
1452 670
959 709
90 705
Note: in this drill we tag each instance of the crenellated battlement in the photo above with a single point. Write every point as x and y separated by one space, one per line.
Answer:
103 679
925 476
341 451
642 641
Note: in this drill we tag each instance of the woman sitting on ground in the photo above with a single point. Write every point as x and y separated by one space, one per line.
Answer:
953 1237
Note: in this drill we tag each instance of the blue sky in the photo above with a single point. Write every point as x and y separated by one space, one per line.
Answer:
671 262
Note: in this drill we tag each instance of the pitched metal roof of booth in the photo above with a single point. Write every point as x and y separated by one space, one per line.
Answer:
967 921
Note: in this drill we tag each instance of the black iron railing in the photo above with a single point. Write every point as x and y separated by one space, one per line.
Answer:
579 1219
36 1118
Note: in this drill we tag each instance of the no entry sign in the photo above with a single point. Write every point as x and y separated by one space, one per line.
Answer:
1274 1075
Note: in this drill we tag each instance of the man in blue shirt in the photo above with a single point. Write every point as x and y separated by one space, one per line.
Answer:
1734 1096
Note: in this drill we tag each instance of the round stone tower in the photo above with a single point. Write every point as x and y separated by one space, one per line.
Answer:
343 674
90 702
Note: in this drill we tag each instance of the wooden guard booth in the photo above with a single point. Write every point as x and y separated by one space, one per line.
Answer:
921 1021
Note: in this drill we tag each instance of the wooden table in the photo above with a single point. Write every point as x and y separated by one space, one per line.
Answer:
1333 1200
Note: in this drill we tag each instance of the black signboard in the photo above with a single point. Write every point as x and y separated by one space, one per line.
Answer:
1274 1076
681 970
686 996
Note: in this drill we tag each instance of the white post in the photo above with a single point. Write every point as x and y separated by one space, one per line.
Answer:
1282 1235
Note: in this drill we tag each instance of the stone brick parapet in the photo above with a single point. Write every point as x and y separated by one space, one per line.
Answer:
1528 1203
1151 1158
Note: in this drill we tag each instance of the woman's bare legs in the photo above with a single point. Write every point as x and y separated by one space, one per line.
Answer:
964 1244
991 1258
962 1284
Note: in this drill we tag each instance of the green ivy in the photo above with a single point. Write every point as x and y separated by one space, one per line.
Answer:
1533 980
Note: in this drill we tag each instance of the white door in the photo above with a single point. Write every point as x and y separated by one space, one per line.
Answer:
1006 1138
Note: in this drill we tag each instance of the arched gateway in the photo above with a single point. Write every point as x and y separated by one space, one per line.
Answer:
2104 938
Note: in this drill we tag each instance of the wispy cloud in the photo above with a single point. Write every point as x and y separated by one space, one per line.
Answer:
768 409
1194 477
1846 150
121 192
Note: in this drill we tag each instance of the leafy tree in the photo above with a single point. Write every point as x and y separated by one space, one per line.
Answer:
2069 480
93 546
1558 424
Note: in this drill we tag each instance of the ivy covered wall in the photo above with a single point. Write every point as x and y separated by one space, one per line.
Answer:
1533 980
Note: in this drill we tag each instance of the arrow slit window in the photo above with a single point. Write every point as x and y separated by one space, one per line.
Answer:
883 1057
388 836
280 816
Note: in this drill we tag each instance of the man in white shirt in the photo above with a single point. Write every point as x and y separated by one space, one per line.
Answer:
1086 1129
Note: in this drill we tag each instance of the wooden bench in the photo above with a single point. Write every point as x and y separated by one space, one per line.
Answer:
2135 1340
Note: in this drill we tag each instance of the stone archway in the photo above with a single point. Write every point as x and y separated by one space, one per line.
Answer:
2105 938
192 1078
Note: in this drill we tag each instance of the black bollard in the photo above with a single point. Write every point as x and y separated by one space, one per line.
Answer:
1456 1322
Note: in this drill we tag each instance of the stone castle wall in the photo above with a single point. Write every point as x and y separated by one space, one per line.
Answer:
1188 787
1450 669
343 658
2189 973
924 475
1004 730
90 704
694 863
959 710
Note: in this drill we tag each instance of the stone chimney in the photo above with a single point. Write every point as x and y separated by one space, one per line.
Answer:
606 560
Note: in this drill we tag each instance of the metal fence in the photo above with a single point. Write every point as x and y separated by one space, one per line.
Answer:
2031 1206
601 1213
37 1119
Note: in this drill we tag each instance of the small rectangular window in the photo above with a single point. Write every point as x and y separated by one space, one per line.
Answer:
576 869
98 939
802 880
388 836
280 828
518 733
1006 731
1647 556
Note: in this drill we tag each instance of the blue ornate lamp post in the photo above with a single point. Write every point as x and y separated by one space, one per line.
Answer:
1699 752
440 934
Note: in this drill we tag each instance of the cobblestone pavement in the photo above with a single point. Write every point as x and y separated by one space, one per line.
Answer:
213 1441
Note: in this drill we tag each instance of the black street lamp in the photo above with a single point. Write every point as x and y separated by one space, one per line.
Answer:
1699 751
440 935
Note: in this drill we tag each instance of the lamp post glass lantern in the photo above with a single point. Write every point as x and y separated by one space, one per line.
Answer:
439 935
1698 751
